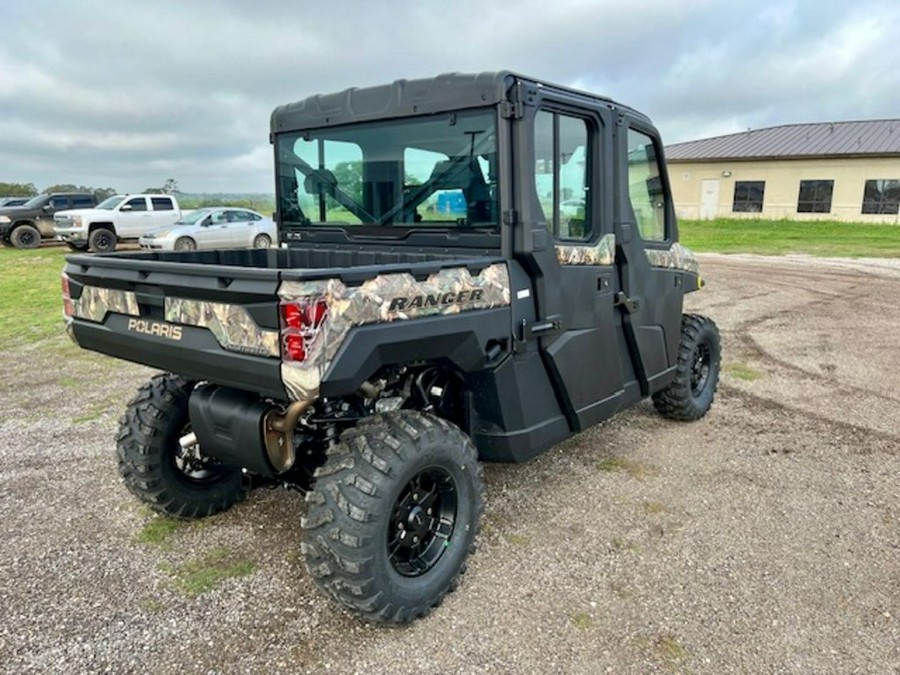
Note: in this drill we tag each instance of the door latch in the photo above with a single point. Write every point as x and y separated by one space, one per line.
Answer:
631 305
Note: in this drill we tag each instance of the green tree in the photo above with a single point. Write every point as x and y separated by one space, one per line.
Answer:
17 190
99 193
170 187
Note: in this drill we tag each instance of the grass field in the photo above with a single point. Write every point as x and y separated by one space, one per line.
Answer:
31 302
30 294
778 237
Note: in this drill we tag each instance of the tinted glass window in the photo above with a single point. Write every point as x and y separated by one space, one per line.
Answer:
881 196
162 204
815 196
645 187
748 196
397 173
137 204
561 173
82 202
59 202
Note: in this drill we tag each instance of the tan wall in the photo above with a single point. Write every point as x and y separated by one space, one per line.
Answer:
782 179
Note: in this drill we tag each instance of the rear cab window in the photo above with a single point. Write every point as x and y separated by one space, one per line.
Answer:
646 188
162 204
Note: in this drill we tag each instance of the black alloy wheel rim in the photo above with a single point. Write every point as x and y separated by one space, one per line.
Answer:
26 238
104 241
422 522
700 368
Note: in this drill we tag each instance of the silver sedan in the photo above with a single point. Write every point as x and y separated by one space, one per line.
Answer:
213 228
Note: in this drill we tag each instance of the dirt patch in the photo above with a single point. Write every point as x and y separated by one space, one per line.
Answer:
765 537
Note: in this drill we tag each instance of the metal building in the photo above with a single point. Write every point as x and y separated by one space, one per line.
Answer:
847 171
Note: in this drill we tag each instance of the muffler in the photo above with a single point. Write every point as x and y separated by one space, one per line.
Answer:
237 428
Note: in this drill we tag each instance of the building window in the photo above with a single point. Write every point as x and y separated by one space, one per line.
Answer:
561 173
881 196
815 196
748 196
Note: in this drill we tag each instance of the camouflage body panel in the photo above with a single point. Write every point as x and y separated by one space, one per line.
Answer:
232 325
677 257
95 303
602 253
389 297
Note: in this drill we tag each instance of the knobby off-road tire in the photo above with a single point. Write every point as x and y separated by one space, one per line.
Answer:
153 465
25 236
691 393
102 240
407 469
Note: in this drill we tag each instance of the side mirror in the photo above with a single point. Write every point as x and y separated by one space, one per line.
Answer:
206 222
127 207
46 207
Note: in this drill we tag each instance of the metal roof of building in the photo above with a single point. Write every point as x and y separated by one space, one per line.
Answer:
795 141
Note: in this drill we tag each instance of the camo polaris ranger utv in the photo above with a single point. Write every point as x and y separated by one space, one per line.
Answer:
473 268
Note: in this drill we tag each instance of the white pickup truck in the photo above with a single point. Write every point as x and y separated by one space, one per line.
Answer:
120 217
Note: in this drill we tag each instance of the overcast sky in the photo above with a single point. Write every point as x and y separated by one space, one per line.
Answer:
128 93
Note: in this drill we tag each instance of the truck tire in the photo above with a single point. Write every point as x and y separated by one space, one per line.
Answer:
77 247
185 244
102 240
393 515
262 241
153 465
25 236
691 393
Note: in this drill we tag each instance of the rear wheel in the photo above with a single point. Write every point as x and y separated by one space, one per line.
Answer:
262 241
691 393
25 236
393 516
185 244
157 470
102 240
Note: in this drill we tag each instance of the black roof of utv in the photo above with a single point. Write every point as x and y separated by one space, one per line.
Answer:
405 98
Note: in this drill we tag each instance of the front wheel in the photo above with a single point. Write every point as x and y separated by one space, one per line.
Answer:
262 241
157 470
393 516
25 236
102 240
691 393
185 244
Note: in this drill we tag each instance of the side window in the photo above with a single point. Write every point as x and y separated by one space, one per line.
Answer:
59 202
748 196
340 166
815 196
137 204
220 217
645 187
82 202
561 173
881 196
162 204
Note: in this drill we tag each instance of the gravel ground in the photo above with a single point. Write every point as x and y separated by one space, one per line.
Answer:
764 538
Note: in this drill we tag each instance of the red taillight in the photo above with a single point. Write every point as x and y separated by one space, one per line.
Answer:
300 323
68 306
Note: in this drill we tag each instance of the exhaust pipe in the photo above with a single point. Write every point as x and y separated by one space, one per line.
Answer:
278 429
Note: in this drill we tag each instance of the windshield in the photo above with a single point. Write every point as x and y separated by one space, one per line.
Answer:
193 217
109 203
34 202
436 171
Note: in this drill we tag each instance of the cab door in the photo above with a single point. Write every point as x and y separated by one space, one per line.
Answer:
651 285
569 214
134 218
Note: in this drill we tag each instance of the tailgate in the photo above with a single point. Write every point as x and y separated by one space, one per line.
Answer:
206 322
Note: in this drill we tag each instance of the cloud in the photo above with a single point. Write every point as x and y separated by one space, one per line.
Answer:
172 89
